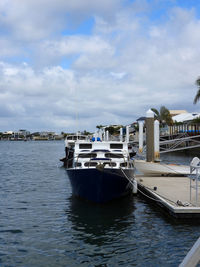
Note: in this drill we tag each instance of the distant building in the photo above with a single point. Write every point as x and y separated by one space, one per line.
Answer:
141 119
8 133
185 117
177 112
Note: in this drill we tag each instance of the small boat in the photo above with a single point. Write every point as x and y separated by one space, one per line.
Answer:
100 171
69 146
158 168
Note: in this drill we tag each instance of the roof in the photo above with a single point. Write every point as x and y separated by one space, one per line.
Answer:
141 119
174 112
185 117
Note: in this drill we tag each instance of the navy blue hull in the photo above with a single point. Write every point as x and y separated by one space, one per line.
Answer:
99 186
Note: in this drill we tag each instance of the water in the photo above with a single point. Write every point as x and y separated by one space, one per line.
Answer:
41 224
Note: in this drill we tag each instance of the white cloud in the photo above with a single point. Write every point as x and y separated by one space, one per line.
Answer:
125 66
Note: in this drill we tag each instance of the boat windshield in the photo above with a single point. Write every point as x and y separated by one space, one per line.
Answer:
113 155
87 155
76 137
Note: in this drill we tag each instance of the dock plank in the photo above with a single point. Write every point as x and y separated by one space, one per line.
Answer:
168 191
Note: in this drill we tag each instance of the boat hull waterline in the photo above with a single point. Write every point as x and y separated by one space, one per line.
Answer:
100 186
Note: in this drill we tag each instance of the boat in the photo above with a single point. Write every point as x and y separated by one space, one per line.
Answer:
160 168
69 146
100 171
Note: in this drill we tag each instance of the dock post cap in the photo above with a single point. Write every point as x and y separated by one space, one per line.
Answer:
195 162
150 114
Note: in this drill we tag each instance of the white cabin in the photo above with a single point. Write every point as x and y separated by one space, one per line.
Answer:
106 154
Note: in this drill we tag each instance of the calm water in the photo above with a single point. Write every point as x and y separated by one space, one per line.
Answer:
41 224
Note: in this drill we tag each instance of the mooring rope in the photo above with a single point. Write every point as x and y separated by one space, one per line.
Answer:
157 200
137 188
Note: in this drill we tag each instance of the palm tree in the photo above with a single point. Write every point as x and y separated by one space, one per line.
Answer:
99 126
196 99
163 116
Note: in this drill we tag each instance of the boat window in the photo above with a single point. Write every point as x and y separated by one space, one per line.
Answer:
77 164
85 146
116 146
90 164
100 150
101 159
82 137
69 138
87 155
112 155
112 164
124 164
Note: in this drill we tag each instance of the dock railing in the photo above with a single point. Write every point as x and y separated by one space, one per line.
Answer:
193 256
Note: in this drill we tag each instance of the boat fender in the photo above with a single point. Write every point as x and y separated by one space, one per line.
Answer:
100 167
134 183
155 188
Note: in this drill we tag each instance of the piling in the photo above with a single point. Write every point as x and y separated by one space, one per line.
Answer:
149 136
127 134
104 134
156 140
140 137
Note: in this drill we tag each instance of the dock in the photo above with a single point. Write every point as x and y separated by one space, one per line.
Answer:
175 195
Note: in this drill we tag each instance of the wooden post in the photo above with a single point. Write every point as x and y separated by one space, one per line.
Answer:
150 136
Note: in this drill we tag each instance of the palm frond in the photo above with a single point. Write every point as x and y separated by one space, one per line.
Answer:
156 112
197 97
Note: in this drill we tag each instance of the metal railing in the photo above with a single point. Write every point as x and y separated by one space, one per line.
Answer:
193 256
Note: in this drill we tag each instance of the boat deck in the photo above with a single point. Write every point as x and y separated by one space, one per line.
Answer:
172 194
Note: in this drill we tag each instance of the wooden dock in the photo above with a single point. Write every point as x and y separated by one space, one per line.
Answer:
174 195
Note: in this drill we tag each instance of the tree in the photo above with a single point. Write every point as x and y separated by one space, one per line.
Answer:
163 116
99 126
196 121
113 130
86 132
196 99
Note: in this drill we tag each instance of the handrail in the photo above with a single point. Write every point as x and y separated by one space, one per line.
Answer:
193 256
194 166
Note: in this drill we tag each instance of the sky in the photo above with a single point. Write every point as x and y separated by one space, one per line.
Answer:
73 65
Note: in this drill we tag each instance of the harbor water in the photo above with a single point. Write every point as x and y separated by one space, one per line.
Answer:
41 224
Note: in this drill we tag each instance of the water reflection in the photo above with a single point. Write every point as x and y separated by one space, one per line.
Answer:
99 223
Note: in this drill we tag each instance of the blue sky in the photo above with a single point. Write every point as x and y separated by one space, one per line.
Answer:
107 61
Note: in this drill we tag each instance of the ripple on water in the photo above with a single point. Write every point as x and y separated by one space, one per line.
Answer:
41 224
12 231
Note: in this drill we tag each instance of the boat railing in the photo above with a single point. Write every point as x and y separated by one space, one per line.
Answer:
126 160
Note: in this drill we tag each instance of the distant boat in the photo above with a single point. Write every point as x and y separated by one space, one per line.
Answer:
69 145
100 171
158 168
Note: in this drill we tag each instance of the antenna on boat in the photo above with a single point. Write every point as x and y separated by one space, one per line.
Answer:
121 134
127 134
